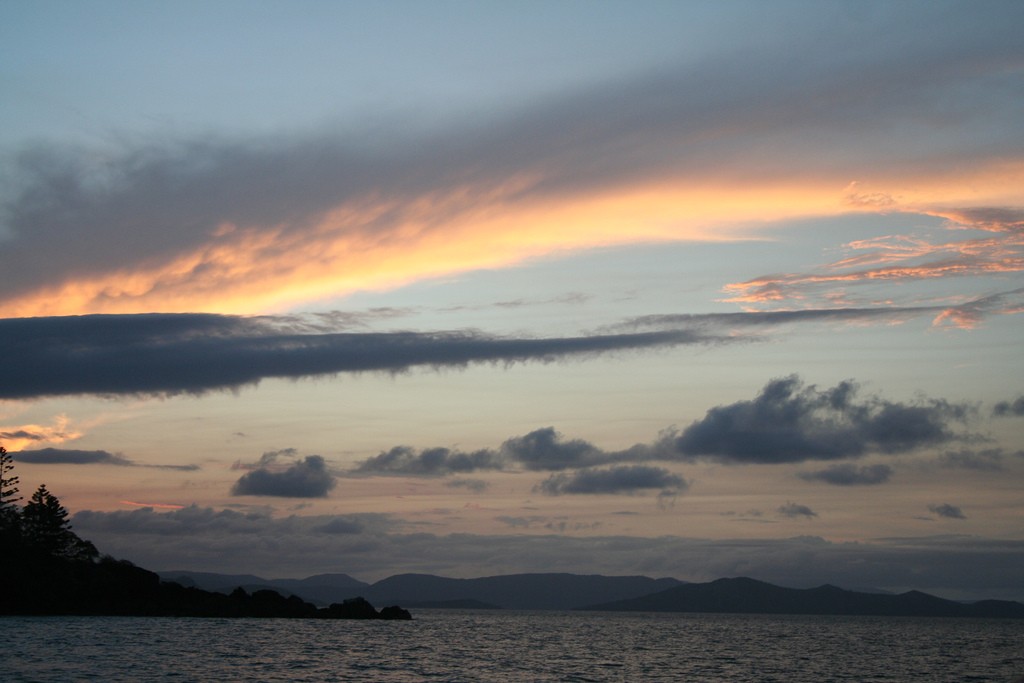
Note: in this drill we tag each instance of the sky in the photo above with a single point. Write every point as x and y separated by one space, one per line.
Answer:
695 289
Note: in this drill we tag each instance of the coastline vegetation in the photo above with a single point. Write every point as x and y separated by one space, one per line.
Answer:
47 569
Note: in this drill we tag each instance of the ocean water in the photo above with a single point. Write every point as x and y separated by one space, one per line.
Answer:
453 645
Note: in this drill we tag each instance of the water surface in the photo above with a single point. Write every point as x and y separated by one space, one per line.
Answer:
505 646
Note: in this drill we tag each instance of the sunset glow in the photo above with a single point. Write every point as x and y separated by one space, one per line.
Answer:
667 277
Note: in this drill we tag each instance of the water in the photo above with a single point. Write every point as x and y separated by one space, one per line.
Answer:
504 646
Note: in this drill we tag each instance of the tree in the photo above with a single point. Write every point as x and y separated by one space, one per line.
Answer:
45 525
9 513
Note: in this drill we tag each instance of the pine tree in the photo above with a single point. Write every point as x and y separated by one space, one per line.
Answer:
9 514
45 525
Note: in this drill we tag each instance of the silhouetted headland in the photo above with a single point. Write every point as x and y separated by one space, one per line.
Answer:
42 585
46 569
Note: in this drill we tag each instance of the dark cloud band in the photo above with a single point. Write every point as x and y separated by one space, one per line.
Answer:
622 479
166 354
64 456
72 456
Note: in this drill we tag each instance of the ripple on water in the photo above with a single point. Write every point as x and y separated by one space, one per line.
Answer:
504 646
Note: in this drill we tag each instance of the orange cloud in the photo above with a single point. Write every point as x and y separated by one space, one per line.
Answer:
775 288
383 242
993 219
905 257
30 436
161 506
969 315
381 245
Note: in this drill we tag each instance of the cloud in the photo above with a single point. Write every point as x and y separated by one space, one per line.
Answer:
219 525
70 456
50 456
850 475
474 485
167 354
969 315
545 449
905 258
750 516
948 511
990 218
183 468
267 459
307 478
884 315
18 437
22 434
855 195
613 480
568 299
966 315
796 510
523 522
1014 408
406 461
790 422
219 220
170 354
158 506
989 459
340 525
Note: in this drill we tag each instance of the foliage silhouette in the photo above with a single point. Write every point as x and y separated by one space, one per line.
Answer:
9 513
44 524
48 570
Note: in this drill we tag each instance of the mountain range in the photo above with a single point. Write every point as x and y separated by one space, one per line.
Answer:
559 591
513 591
743 595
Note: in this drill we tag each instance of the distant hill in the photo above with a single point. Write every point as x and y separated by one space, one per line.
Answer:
743 595
321 589
516 591
211 581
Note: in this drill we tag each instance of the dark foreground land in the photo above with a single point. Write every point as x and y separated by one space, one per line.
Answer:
39 584
46 569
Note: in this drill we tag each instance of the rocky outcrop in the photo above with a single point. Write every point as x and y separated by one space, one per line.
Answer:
360 608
